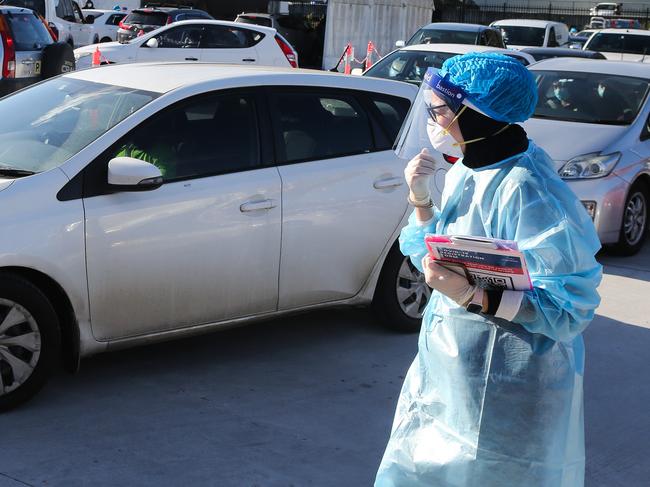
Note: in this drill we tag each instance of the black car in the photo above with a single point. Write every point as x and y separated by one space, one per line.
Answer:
541 53
28 51
143 20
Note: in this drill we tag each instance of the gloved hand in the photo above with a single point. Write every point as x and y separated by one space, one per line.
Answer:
418 172
452 285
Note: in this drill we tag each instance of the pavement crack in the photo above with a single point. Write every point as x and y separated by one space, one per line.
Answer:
16 480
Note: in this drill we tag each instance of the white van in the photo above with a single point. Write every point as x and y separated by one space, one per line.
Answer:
64 17
518 33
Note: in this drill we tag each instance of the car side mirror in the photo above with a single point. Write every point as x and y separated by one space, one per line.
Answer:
356 72
153 42
131 174
400 44
89 19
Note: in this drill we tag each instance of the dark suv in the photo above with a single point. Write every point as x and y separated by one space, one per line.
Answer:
28 51
143 20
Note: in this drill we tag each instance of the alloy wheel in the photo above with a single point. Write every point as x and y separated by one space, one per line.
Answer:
20 345
412 291
634 219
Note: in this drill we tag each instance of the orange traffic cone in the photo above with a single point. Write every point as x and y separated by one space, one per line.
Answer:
349 56
97 57
371 48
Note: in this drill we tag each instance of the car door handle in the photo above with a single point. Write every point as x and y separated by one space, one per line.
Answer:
257 206
191 59
388 183
248 60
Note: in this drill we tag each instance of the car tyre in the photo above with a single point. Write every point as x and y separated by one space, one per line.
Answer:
634 228
29 340
401 293
58 58
106 39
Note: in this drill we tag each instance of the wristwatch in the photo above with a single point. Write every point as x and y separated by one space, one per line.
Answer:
428 203
476 304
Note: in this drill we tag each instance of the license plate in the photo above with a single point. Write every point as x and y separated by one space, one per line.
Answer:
37 68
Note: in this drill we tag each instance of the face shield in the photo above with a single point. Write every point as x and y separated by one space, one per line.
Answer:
421 120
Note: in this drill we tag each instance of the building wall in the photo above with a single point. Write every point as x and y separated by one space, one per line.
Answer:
381 21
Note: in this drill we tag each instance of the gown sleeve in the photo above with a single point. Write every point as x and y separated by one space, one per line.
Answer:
411 239
559 242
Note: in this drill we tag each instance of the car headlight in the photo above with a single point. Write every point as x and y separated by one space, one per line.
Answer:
589 166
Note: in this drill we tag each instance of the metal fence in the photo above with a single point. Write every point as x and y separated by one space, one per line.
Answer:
485 14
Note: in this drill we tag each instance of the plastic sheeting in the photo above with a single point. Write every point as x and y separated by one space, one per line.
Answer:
381 21
489 402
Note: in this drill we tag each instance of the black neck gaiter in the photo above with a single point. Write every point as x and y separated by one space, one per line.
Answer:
494 148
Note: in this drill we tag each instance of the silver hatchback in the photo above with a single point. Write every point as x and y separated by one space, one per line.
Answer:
593 118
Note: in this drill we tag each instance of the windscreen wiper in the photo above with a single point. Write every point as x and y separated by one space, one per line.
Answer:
15 173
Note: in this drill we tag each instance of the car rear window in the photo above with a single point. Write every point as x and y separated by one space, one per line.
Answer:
440 36
146 18
252 19
523 36
29 33
37 5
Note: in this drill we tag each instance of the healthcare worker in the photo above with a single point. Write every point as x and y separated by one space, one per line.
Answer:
494 397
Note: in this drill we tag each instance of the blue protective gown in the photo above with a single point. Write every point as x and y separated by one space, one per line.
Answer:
489 402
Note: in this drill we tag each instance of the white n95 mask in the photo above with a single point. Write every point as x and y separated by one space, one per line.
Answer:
442 140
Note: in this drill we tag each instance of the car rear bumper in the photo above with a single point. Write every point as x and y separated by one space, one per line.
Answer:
9 85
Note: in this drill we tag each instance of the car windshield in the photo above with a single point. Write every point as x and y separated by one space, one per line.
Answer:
623 43
43 126
37 5
516 35
589 97
443 36
146 18
408 65
29 33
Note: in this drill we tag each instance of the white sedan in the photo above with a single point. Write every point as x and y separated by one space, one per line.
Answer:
156 201
621 44
211 41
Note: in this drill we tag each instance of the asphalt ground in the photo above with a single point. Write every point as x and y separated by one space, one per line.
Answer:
304 401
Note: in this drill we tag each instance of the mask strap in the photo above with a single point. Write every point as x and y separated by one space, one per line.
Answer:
502 129
446 129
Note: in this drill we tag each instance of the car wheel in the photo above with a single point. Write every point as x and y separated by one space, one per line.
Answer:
634 227
401 294
29 340
106 39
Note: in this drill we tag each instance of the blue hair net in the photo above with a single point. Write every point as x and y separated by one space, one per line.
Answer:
498 85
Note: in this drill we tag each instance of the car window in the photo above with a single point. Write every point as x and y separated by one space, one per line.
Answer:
623 43
408 65
29 33
523 36
552 41
181 37
589 97
645 133
223 37
207 136
37 5
440 36
146 18
392 112
312 126
115 19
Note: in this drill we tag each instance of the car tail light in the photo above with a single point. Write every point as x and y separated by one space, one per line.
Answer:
169 19
9 57
450 159
289 52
